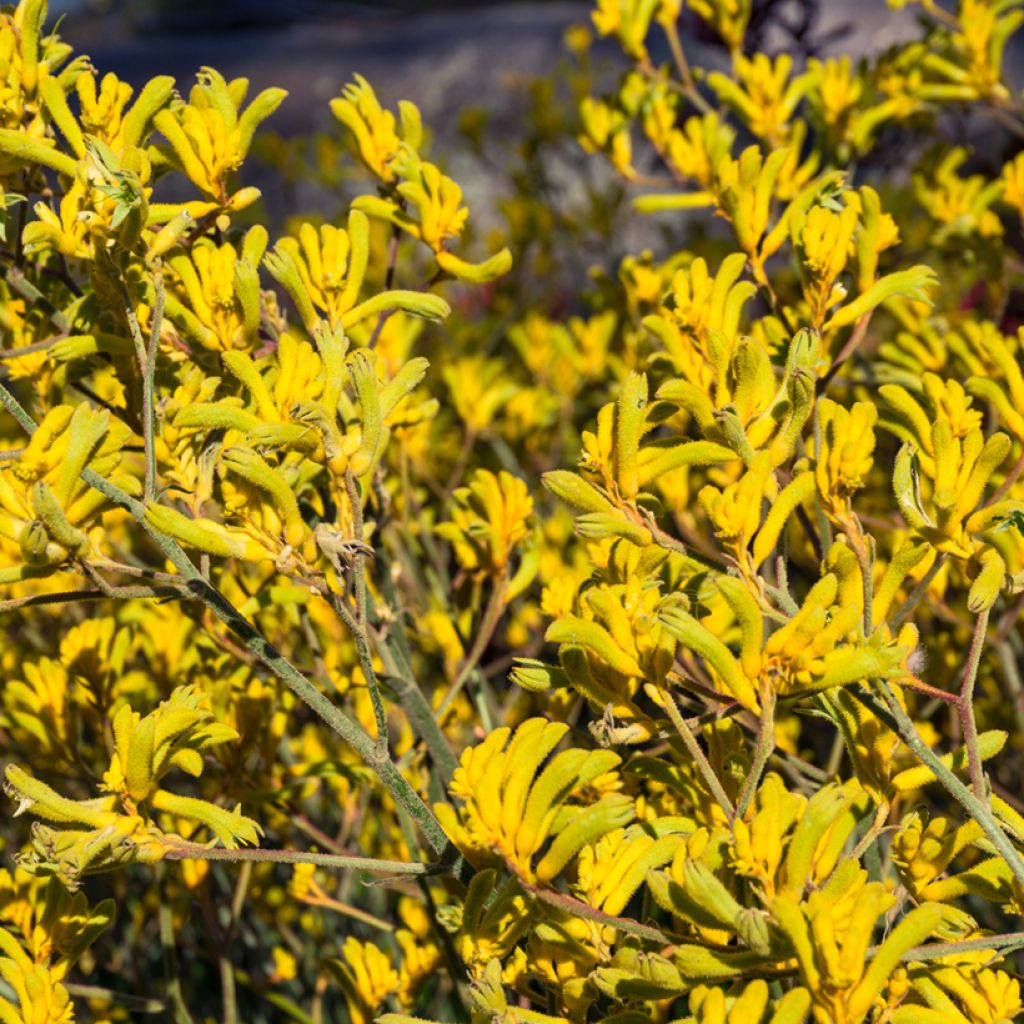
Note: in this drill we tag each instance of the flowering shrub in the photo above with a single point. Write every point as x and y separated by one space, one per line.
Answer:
334 691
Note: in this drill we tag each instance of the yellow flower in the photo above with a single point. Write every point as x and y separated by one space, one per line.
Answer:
40 998
376 130
762 94
1013 184
846 454
833 88
825 242
210 135
729 18
492 518
366 977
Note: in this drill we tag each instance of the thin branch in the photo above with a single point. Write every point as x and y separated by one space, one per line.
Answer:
28 350
261 648
145 355
73 596
577 908
31 294
966 707
762 750
196 851
362 635
148 379
683 67
1005 943
484 635
856 338
707 773
392 649
123 1000
914 597
891 712
15 408
862 551
316 897
1011 478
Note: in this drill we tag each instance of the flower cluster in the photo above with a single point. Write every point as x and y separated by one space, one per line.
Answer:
385 644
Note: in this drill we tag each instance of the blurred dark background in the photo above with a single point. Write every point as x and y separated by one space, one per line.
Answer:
444 54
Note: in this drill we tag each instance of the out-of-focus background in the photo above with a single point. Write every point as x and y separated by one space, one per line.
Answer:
444 55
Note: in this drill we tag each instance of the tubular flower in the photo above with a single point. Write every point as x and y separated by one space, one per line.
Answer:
366 977
97 835
46 508
632 637
210 135
40 998
512 806
493 517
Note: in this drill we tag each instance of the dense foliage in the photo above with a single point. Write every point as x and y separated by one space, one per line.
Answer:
308 677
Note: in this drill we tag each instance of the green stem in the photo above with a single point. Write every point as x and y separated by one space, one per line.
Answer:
261 648
420 715
122 1000
762 750
347 910
196 851
707 773
27 350
862 551
360 632
394 656
892 714
148 385
914 597
72 596
145 357
15 408
1005 943
966 707
173 978
485 632
577 908
35 298
683 67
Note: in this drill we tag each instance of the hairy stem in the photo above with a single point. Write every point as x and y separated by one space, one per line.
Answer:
762 750
196 851
262 649
15 408
890 711
393 651
707 773
1005 943
148 394
966 707
362 636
